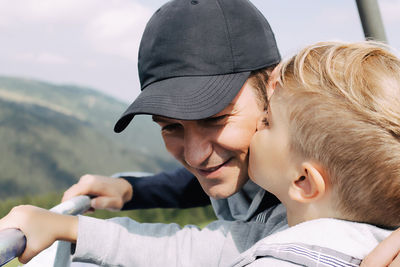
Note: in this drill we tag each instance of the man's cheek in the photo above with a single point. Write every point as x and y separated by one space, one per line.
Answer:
174 147
237 138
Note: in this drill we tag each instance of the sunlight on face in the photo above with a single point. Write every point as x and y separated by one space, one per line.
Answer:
270 161
215 149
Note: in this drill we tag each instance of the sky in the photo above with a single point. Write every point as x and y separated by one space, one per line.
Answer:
94 43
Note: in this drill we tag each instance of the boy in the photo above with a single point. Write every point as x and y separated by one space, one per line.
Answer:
329 149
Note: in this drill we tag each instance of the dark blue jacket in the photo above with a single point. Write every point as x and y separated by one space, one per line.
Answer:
175 189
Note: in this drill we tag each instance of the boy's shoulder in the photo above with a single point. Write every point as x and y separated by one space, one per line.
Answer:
321 241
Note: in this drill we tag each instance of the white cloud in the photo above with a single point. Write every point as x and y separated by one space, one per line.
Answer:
95 42
35 11
337 16
112 27
92 42
43 58
390 10
118 30
51 58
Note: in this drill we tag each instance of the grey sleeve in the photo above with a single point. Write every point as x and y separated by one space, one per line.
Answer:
125 242
269 261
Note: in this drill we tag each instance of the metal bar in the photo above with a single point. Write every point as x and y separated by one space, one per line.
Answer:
12 244
13 241
74 206
371 20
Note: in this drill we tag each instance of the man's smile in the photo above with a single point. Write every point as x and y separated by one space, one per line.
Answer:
212 170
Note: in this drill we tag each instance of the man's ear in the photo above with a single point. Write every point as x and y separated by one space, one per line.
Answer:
273 81
310 184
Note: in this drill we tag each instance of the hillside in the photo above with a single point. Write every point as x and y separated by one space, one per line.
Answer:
52 134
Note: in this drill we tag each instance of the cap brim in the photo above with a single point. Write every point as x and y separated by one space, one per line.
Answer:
185 98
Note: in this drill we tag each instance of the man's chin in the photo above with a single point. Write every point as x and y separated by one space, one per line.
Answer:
219 192
222 187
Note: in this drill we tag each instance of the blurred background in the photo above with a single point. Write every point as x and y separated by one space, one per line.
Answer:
68 71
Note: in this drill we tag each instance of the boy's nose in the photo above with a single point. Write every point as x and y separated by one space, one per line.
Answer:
262 122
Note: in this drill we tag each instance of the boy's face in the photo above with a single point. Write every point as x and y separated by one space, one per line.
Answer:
270 161
215 149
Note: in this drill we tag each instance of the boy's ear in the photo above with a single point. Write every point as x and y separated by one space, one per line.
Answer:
310 184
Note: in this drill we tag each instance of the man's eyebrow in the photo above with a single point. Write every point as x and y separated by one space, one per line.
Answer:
227 109
158 119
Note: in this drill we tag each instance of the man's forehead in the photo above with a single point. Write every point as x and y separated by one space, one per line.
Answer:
227 110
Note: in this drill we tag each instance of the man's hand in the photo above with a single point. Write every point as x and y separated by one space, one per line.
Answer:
386 253
40 227
110 193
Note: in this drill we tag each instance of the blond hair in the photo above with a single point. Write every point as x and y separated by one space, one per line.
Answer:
344 112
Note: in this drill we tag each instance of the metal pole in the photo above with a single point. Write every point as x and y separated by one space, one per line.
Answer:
371 20
13 241
12 244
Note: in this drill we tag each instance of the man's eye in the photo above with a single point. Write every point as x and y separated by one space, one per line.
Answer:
170 127
216 119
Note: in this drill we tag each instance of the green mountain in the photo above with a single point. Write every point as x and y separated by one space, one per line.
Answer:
50 135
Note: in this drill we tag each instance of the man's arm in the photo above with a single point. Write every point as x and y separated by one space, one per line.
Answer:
386 253
177 189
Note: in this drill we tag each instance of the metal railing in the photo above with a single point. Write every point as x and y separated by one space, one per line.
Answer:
13 241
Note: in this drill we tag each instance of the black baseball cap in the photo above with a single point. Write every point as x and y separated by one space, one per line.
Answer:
196 55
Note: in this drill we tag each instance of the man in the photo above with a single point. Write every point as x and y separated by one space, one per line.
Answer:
194 58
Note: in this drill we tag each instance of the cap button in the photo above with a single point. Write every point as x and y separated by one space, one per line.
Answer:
194 2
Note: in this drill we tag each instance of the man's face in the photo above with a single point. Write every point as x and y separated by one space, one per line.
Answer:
215 149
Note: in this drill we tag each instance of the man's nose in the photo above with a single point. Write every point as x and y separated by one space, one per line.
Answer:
198 147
